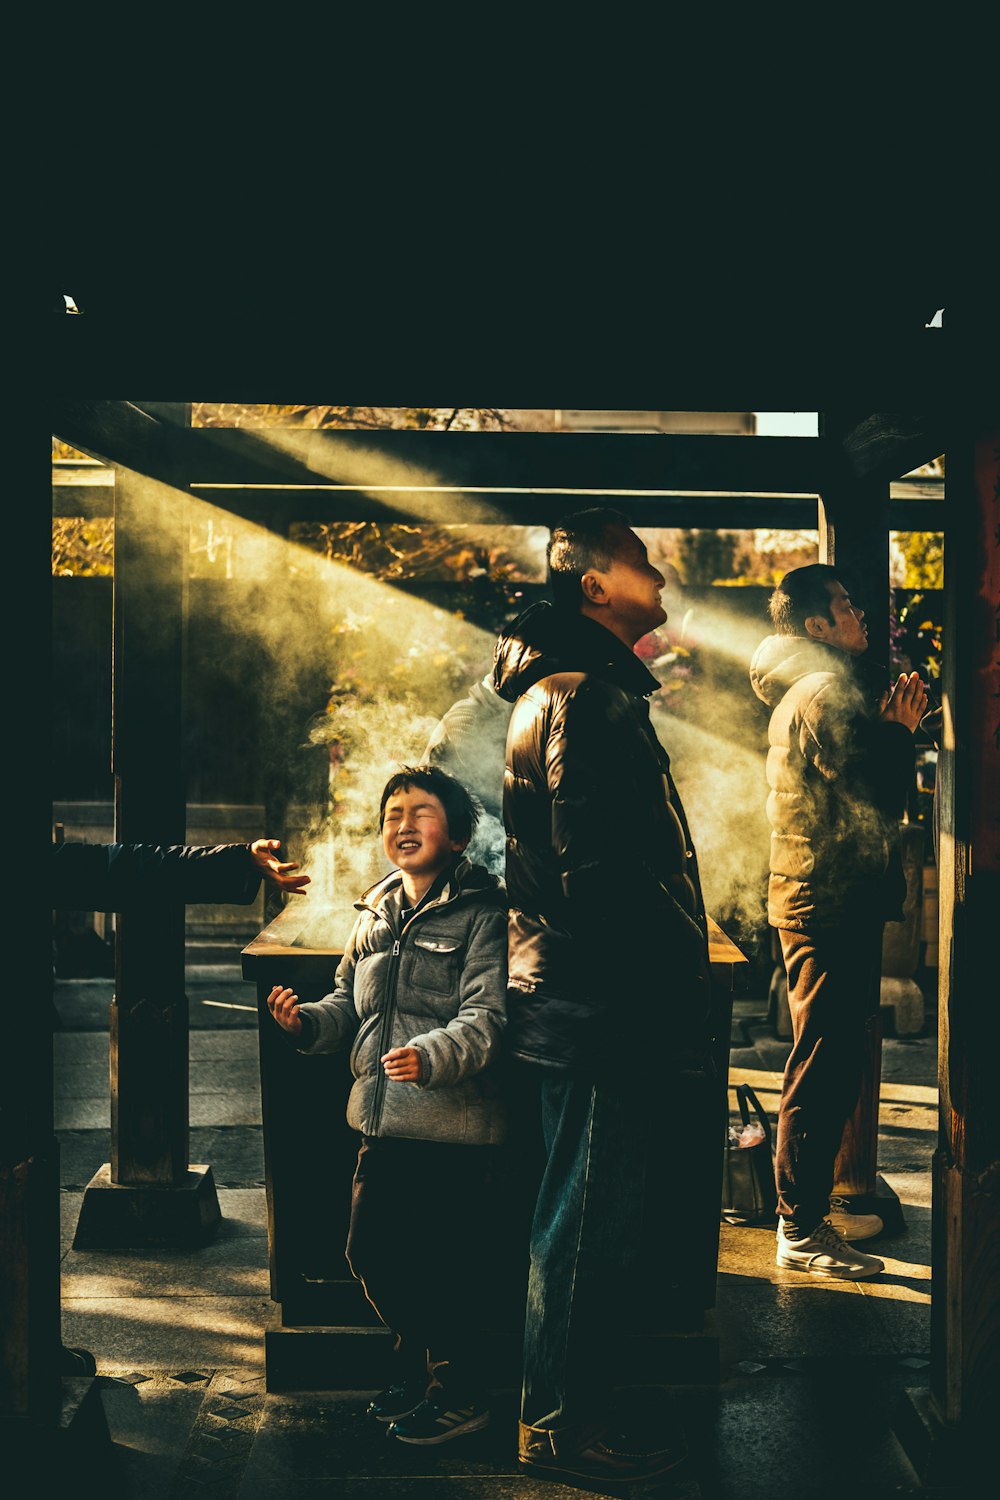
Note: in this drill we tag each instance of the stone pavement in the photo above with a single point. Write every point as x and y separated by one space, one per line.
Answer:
813 1373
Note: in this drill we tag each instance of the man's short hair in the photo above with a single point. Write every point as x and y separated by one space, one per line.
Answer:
580 542
801 593
461 810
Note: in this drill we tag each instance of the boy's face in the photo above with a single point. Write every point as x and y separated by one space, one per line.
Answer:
415 832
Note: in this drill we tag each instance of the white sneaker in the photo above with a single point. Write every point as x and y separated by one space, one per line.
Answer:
851 1225
825 1253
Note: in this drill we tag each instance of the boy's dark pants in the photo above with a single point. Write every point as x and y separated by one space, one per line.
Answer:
419 1241
833 985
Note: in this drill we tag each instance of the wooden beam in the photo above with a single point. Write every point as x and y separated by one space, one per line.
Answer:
114 432
728 353
914 506
887 445
276 509
596 461
119 432
122 433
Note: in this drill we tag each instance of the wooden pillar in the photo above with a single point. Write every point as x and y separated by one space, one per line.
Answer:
854 538
30 1386
52 1424
30 1348
965 1308
148 1194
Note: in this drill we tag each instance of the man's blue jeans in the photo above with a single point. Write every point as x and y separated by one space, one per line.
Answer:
585 1238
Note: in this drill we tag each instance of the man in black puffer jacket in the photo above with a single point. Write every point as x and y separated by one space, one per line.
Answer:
608 968
838 766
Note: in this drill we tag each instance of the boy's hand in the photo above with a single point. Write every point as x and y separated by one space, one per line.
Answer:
264 853
284 1007
402 1065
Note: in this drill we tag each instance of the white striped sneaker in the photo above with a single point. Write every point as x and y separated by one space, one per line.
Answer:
825 1253
437 1419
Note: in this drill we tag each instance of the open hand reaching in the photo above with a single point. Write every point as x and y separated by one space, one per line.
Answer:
264 853
284 1007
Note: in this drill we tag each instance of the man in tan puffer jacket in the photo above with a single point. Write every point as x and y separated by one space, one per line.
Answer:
838 768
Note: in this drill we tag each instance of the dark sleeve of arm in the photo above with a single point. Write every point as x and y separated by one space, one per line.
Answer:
612 894
598 828
587 825
871 756
887 764
113 877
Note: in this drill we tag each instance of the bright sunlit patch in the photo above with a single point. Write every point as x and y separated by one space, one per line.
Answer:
392 664
901 1281
514 489
369 470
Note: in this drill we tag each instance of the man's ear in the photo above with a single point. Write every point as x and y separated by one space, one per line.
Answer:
817 626
593 589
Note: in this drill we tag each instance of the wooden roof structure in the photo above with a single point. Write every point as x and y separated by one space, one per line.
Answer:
894 392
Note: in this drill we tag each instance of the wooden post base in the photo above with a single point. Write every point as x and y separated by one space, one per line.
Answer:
953 1456
55 1453
124 1216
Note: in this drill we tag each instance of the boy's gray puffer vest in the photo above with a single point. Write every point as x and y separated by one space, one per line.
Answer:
838 776
439 985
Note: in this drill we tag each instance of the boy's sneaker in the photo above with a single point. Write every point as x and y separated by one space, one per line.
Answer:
437 1419
825 1252
601 1456
851 1225
398 1400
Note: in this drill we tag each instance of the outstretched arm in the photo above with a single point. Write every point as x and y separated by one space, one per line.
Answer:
119 877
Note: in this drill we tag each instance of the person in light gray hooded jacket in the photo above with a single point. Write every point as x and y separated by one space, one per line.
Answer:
420 999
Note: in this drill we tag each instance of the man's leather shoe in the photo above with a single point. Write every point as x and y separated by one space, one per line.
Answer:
595 1454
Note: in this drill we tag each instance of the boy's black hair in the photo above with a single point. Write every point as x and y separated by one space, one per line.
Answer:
801 593
460 809
578 543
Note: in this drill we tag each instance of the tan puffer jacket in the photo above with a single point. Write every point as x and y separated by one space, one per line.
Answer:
838 777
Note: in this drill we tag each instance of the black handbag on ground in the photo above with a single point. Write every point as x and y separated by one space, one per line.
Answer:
749 1195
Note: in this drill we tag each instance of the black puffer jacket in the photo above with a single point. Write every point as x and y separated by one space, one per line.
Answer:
607 951
838 776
